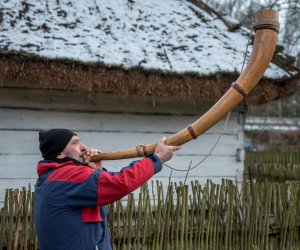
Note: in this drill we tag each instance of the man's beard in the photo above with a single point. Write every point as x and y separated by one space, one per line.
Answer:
76 158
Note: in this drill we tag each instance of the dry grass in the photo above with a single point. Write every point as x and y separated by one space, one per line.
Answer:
23 70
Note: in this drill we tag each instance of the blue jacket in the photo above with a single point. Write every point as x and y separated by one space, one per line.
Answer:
70 201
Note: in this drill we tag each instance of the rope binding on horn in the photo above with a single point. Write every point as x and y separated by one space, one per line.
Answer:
272 25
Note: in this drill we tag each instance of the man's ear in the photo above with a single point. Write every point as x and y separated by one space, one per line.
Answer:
61 156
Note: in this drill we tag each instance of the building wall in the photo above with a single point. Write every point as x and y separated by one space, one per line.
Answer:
111 123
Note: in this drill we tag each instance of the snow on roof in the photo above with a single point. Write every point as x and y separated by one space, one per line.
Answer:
170 35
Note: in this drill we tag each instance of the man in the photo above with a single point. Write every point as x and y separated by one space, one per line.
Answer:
72 194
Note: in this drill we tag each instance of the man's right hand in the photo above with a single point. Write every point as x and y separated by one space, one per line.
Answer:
89 153
165 152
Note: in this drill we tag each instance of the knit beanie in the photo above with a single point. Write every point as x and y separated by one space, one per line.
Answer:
54 141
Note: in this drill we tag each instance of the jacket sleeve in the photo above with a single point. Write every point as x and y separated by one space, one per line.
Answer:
113 186
102 188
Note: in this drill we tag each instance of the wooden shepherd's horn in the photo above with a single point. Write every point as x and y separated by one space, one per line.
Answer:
266 31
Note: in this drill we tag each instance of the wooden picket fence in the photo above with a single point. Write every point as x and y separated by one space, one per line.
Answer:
250 215
272 157
16 220
273 166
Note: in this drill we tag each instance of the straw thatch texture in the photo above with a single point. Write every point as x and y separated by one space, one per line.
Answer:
23 70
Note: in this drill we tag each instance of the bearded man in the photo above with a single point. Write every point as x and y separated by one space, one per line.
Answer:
72 195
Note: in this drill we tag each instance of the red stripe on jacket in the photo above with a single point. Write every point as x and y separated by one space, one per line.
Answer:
44 167
71 173
91 214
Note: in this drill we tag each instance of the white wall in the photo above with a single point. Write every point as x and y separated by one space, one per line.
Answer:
19 128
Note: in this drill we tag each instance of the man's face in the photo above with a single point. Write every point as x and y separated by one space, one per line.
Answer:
74 149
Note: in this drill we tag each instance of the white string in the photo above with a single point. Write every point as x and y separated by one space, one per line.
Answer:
208 154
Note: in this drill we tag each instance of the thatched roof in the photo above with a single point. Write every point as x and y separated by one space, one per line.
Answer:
162 48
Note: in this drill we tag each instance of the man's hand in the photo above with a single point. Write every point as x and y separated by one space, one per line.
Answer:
89 154
165 152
